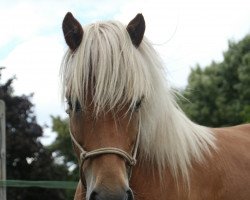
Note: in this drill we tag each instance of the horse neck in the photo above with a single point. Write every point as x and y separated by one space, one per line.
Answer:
170 139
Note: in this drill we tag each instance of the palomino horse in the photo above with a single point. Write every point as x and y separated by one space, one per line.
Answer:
131 138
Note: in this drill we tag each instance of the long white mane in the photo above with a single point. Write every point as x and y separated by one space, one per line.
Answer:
107 61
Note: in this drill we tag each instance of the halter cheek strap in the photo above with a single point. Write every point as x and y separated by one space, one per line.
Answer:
84 155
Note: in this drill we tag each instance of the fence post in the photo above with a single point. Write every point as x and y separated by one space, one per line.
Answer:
2 150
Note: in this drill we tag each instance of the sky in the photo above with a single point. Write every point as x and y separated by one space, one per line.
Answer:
184 32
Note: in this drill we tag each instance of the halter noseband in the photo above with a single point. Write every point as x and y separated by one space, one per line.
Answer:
84 155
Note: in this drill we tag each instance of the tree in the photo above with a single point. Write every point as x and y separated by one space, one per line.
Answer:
219 94
62 146
27 158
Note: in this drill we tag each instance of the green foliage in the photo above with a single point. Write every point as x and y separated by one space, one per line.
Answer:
219 94
27 158
62 147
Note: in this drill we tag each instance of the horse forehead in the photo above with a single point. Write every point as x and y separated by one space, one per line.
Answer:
106 131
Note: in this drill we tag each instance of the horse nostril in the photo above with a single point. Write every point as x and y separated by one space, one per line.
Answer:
93 196
130 195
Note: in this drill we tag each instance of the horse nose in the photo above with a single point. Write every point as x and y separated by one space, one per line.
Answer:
104 195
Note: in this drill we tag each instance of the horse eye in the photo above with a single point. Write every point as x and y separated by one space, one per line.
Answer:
137 105
76 108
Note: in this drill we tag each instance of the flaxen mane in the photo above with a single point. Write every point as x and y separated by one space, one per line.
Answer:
120 74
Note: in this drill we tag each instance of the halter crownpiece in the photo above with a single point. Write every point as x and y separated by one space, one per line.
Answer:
84 155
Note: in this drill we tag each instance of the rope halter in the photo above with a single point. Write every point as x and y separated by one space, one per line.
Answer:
84 155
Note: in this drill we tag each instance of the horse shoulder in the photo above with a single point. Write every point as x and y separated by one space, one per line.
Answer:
231 161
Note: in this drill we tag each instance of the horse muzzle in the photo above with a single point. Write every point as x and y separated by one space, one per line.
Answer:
118 194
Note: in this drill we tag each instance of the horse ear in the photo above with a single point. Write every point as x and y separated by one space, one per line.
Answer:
72 30
136 29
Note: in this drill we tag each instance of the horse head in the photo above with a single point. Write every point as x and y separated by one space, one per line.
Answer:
103 109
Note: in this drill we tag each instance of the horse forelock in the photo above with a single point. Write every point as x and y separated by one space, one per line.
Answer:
107 65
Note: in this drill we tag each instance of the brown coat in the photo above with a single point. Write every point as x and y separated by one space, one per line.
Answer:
223 176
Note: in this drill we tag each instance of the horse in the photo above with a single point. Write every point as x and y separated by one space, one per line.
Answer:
131 138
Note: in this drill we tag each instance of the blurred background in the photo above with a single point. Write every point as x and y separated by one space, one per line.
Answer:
205 46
